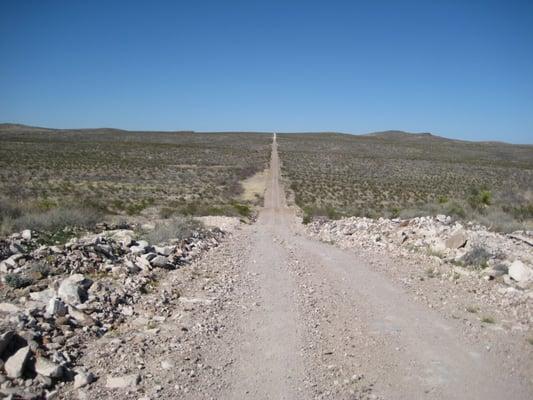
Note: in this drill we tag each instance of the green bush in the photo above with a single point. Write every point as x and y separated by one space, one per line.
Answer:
18 281
479 198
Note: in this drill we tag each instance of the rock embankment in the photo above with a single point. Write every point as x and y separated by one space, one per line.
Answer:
506 259
56 298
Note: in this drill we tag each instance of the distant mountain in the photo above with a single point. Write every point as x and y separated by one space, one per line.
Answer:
405 135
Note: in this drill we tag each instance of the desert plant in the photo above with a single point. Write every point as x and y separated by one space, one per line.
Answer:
18 281
175 228
477 257
56 219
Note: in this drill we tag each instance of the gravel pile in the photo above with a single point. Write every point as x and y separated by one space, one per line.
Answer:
57 298
470 248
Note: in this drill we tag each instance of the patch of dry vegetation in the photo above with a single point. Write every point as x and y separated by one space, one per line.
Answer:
398 174
108 171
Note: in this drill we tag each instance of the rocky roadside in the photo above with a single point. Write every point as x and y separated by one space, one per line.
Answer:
461 269
57 300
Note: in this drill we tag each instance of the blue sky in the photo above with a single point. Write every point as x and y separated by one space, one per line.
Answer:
461 69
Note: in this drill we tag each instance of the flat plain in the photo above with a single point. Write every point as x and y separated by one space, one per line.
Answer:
399 174
125 173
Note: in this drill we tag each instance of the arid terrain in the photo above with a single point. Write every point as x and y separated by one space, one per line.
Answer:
394 174
277 306
122 173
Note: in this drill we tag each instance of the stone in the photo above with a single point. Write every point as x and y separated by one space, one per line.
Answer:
9 308
83 379
456 240
123 382
166 364
159 261
137 249
72 290
5 339
56 307
14 366
82 318
26 234
127 311
44 296
520 272
48 368
164 250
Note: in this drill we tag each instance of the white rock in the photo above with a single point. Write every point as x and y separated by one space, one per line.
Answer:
159 261
44 296
56 307
127 311
9 308
520 272
71 290
14 366
122 382
80 316
456 240
26 234
48 368
164 250
83 379
137 249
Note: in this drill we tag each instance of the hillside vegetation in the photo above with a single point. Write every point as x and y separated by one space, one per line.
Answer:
48 174
400 174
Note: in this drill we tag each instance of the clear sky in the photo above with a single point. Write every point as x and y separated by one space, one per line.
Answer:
461 69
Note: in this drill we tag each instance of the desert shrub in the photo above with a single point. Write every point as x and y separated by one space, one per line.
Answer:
8 210
479 198
40 268
456 210
242 209
55 219
18 281
521 212
443 199
166 212
498 220
477 257
175 228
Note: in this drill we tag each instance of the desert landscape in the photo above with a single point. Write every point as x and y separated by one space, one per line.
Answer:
266 200
179 296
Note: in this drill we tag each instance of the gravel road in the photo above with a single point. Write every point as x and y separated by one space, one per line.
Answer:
273 314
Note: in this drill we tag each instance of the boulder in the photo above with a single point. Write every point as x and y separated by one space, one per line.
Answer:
83 379
45 367
159 261
73 289
15 364
520 272
164 250
9 308
123 382
44 296
456 240
82 318
56 307
5 339
26 234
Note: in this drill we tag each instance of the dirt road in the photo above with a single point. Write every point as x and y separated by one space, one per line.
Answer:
327 325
